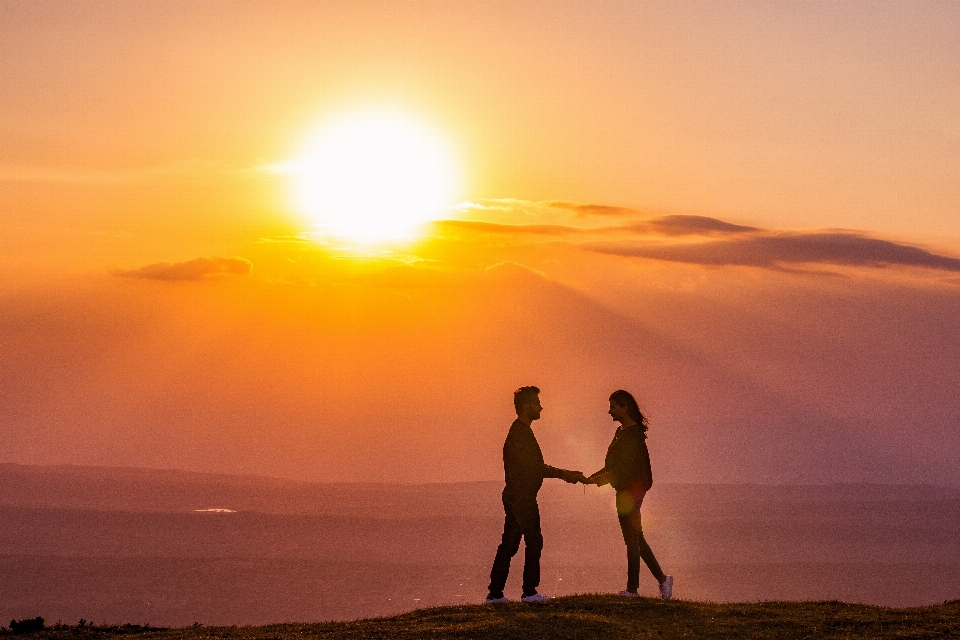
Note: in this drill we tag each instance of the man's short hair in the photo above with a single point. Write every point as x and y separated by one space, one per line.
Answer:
523 395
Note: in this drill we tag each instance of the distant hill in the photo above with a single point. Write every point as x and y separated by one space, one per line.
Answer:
163 490
142 490
584 617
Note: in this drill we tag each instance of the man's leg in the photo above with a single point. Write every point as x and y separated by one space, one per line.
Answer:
509 544
527 513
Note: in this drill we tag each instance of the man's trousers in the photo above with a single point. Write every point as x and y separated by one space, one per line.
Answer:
521 520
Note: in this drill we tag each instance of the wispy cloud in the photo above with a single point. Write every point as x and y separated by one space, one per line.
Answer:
776 250
588 209
197 269
665 226
523 229
497 204
679 225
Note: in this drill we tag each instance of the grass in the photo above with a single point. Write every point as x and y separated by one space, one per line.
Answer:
585 616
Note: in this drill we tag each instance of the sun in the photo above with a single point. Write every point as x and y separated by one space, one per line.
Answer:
371 177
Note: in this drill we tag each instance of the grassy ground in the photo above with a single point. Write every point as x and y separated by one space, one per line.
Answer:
588 616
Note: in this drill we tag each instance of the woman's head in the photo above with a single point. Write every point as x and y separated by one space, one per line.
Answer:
621 399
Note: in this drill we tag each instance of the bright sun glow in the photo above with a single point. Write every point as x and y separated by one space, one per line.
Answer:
374 176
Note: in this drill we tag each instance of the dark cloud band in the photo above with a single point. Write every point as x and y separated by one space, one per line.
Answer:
779 249
688 225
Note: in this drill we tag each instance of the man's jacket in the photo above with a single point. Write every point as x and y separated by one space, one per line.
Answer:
523 465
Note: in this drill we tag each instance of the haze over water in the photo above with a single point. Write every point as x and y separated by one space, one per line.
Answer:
127 545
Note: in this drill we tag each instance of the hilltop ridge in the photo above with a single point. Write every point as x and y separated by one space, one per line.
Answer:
585 616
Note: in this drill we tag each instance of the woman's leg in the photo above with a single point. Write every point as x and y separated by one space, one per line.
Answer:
628 510
647 554
631 536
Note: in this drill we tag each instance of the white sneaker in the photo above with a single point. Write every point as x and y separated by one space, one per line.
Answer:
535 598
666 588
629 594
500 600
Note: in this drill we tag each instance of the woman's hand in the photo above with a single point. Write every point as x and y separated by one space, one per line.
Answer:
599 478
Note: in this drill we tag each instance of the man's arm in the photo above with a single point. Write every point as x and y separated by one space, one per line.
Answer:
552 472
564 474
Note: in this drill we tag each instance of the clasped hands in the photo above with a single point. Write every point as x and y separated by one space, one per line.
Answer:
574 477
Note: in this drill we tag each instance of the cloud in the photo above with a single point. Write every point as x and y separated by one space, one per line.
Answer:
774 250
526 229
679 225
512 205
197 269
496 204
542 218
729 244
665 226
586 209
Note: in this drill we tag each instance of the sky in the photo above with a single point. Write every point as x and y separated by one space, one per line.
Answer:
743 212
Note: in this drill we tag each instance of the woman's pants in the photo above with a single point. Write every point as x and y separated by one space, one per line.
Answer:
628 510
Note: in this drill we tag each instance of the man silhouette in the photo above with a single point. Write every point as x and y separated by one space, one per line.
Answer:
524 471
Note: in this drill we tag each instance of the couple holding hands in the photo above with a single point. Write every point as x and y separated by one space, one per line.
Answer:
626 468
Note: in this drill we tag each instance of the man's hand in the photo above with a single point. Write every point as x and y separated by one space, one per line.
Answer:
573 477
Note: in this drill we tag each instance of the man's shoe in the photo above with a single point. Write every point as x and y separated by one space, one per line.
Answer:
500 600
666 588
629 594
535 598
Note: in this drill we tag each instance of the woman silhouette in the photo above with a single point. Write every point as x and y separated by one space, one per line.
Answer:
627 469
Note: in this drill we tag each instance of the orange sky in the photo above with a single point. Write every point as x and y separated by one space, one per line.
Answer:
743 212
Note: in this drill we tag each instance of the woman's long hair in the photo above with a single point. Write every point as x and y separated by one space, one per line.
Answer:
624 399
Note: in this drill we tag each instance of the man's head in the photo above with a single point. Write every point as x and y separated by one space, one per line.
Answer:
526 400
